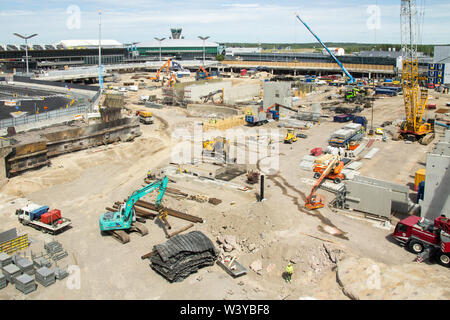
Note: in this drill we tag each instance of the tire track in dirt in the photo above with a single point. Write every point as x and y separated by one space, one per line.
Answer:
284 185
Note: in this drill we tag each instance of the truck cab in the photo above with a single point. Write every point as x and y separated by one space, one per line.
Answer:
425 237
31 212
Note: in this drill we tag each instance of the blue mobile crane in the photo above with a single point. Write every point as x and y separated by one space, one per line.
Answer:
350 79
123 220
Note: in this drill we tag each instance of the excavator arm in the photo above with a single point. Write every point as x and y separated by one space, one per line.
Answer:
161 185
165 65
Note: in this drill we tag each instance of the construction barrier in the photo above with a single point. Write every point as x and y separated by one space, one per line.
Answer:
224 124
16 244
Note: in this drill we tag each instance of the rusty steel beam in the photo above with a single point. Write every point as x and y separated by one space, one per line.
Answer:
148 255
180 231
170 212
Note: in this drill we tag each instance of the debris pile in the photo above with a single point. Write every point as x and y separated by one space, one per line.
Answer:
252 177
183 255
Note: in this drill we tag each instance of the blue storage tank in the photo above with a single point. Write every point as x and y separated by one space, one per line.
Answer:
36 214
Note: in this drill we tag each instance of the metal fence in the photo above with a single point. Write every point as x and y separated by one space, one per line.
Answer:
54 114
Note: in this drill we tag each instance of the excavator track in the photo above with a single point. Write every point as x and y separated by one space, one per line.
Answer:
139 227
121 236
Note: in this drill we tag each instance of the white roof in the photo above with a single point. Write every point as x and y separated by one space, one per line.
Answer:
177 43
88 43
30 207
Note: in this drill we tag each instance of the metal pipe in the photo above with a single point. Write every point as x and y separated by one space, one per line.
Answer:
261 193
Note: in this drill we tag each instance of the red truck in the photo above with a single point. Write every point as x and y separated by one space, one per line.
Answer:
426 238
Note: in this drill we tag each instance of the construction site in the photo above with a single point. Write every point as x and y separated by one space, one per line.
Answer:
185 181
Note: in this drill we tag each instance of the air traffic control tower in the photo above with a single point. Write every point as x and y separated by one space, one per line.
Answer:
176 33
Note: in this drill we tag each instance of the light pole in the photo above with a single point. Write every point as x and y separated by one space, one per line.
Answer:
204 39
160 40
26 45
100 79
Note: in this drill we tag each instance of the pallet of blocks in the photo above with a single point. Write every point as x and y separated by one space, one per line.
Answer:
25 283
5 259
3 281
11 271
25 266
45 276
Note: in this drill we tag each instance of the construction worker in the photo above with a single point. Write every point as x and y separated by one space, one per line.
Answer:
150 175
289 272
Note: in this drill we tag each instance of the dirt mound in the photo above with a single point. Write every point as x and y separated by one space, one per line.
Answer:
364 279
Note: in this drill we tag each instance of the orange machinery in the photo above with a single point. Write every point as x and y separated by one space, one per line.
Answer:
165 65
314 200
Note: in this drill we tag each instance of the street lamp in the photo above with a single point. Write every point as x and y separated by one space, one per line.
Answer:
204 39
100 78
160 40
26 44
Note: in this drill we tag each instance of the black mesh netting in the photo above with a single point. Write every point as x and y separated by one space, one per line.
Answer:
182 255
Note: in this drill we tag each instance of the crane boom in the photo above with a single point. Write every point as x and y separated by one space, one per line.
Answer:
414 97
351 79
311 203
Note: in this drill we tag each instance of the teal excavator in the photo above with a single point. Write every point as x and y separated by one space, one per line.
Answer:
123 221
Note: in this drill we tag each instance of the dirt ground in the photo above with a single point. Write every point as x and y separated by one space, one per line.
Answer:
272 232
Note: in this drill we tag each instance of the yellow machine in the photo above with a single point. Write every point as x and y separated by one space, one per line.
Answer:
145 117
216 147
290 136
414 97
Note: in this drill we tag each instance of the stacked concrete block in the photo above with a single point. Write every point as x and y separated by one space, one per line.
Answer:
25 283
45 276
5 259
60 273
25 266
42 262
56 250
11 271
3 281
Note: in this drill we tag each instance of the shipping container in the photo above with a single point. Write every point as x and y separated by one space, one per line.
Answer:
36 214
51 216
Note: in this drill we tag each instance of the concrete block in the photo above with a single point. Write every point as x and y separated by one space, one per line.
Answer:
25 284
355 165
5 259
307 165
11 271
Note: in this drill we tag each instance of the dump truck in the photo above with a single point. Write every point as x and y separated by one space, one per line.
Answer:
426 238
40 218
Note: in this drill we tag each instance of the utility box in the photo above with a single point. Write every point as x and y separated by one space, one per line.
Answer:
419 177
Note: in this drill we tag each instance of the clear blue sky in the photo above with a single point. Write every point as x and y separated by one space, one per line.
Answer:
224 20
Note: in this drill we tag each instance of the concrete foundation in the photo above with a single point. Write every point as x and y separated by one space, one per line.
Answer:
33 149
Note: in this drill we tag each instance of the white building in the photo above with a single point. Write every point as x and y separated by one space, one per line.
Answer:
335 51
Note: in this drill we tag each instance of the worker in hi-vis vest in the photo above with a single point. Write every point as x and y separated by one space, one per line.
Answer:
289 272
